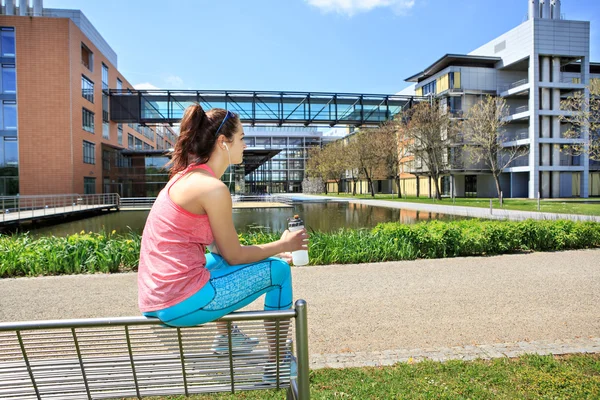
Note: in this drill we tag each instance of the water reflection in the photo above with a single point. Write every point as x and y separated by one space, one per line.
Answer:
323 217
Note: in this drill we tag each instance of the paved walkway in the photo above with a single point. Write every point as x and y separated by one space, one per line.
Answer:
381 313
473 212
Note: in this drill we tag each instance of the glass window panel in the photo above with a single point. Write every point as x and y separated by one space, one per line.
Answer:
263 142
11 152
8 43
279 142
9 112
9 81
295 142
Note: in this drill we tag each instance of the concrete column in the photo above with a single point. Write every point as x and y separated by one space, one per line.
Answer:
545 186
534 77
585 174
555 184
545 70
555 69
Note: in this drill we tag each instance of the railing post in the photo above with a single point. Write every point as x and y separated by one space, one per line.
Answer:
302 350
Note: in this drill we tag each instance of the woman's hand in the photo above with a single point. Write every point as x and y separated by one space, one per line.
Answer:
297 240
287 257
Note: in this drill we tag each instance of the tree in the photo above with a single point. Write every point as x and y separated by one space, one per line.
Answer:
365 154
427 133
584 116
485 137
315 166
327 163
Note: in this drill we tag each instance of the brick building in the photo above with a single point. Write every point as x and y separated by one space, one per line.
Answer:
55 132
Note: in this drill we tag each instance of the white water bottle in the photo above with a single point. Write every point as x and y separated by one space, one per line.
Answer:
299 257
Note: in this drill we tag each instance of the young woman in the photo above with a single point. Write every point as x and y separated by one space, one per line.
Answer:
177 282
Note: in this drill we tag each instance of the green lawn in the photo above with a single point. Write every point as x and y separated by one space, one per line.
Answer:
566 206
529 377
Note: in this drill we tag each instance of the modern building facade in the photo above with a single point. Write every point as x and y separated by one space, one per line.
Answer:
533 66
56 136
282 168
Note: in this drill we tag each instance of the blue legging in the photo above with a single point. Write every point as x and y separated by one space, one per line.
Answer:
230 288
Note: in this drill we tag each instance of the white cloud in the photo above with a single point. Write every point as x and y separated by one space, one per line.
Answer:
145 86
352 7
173 81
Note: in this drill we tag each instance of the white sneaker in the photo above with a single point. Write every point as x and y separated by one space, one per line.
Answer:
240 342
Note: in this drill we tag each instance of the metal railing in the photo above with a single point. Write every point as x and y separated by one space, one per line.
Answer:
511 137
51 204
136 356
507 87
521 109
137 202
270 198
519 162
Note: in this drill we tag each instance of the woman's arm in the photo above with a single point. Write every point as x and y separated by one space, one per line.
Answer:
217 204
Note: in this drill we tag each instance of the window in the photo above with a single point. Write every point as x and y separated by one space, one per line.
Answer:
87 89
89 152
138 144
119 85
11 151
89 185
263 142
120 134
429 88
104 77
7 42
130 141
9 82
106 160
105 130
9 115
88 120
87 57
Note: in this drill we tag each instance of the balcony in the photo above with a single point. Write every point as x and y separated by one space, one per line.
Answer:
519 162
514 88
514 136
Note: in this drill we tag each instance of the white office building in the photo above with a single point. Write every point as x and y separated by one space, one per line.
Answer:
533 66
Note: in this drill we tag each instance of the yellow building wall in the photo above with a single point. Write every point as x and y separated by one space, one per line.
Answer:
419 91
457 80
442 84
576 185
594 189
409 186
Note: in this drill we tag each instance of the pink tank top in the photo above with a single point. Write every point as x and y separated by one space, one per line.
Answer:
172 260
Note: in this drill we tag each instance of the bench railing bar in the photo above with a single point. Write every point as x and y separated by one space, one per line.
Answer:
135 378
132 321
37 392
302 350
230 345
277 351
85 381
183 373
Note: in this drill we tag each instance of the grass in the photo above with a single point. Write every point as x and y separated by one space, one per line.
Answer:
563 206
528 377
22 255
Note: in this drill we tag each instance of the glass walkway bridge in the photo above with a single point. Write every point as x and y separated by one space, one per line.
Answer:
279 108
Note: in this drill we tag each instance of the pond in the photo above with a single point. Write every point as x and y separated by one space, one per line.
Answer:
323 217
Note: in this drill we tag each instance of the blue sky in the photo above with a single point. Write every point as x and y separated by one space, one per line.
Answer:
352 46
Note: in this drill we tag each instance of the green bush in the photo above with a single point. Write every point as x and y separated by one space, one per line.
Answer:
22 255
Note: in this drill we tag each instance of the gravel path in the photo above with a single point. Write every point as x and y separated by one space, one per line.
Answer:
367 309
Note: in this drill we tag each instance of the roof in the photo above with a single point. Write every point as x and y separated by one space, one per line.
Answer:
462 60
